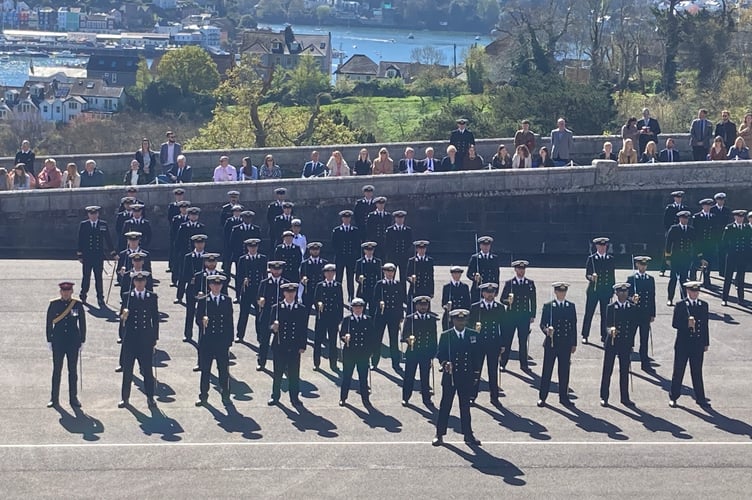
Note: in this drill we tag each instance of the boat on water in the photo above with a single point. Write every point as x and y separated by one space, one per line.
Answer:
65 54
5 58
410 36
28 53
477 37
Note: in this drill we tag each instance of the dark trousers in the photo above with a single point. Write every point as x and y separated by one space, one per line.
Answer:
643 327
592 300
609 357
346 264
144 355
679 272
464 391
97 265
551 356
190 314
695 357
59 354
325 333
723 259
412 364
209 352
247 301
735 264
401 262
699 153
263 335
392 325
491 354
521 325
287 362
348 367
175 264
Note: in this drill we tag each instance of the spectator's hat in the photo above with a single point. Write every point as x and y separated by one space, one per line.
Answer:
459 313
287 233
423 299
601 240
683 213
357 302
330 267
621 287
252 242
456 269
520 263
370 245
740 213
677 194
719 196
133 235
211 257
93 208
183 203
485 239
693 285
707 201
199 237
280 191
315 244
489 287
233 193
560 286
288 204
290 287
296 222
389 267
247 213
399 213
367 187
642 259
276 264
66 285
346 213
194 210
380 199
215 279
140 275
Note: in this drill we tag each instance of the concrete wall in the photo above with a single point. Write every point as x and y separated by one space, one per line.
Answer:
292 159
541 214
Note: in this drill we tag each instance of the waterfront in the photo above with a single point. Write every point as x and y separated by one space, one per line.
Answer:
15 71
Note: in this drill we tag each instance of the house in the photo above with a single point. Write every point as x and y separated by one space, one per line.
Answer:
97 23
165 4
98 96
284 49
113 69
47 19
68 19
361 68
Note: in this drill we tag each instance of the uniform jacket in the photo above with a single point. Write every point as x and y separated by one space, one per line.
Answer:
94 242
524 302
71 329
141 328
219 328
563 317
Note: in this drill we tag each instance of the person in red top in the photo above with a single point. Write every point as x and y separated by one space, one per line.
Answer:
50 176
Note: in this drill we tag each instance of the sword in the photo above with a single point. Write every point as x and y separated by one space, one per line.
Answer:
112 278
81 369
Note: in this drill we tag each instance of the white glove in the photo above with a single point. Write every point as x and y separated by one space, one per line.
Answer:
49 344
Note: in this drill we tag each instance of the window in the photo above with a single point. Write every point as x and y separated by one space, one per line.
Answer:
57 109
44 108
108 104
72 105
391 73
114 77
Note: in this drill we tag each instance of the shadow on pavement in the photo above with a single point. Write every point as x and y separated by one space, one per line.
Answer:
485 463
589 423
304 420
158 423
721 421
517 423
653 423
235 422
81 423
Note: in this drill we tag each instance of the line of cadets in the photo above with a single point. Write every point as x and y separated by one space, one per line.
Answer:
284 291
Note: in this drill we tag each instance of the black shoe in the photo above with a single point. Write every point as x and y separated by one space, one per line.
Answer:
584 340
342 402
272 402
404 402
119 369
236 301
604 402
503 369
176 301
82 296
672 403
541 403
238 340
201 401
472 402
173 285
472 440
119 341
75 403
151 403
437 441
704 403
627 402
53 404
259 368
196 368
296 402
187 339
123 403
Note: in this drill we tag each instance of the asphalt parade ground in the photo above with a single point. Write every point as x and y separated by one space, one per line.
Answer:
250 450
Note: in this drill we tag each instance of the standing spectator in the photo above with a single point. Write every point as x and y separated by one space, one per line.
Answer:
726 129
718 150
21 180
147 159
26 156
248 172
362 165
383 164
628 154
700 136
649 129
71 178
314 168
608 152
429 163
50 177
134 176
337 165
473 161
545 158
669 155
739 151
179 173
169 152
450 162
562 143
525 136
502 159
650 155
522 157
630 131
408 164
4 180
91 176
270 170
224 172
746 131
461 138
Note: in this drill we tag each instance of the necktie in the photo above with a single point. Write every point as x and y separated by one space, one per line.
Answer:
180 172
460 335
141 295
93 225
670 156
216 299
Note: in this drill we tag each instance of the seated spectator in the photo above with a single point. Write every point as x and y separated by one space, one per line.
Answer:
383 164
545 158
472 161
717 150
147 159
669 155
429 163
248 172
522 157
26 156
314 168
449 163
502 159
71 178
739 151
650 155
628 153
20 180
270 170
363 164
408 164
524 136
91 176
224 172
134 176
179 173
608 152
4 180
50 176
337 165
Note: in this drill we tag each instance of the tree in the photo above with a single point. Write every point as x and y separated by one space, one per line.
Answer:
668 25
323 12
427 55
475 69
248 22
306 81
190 68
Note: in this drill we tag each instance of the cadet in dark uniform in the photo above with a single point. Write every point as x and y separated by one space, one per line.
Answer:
599 271
228 250
419 333
490 317
643 297
692 341
419 273
124 257
358 336
226 211
137 261
193 263
94 244
291 255
622 326
705 244
461 138
737 247
123 214
679 252
460 357
519 296
139 224
186 231
282 223
215 327
388 309
376 224
140 316
559 325
368 271
454 295
199 287
722 216
242 232
398 240
483 267
175 255
345 241
330 304
364 206
251 271
273 210
173 208
288 321
311 272
66 335
670 218
269 294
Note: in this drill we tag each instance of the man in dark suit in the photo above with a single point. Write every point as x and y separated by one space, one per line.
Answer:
669 155
94 245
311 272
649 129
241 232
139 224
429 163
704 223
483 267
272 211
643 297
419 333
215 328
282 223
599 271
226 211
726 129
737 245
313 168
346 244
398 240
91 176
454 295
180 172
519 295
692 341
227 248
173 208
251 270
622 325
368 271
461 138
169 153
269 294
408 164
26 156
376 224
358 336
721 217
700 136
329 303
679 252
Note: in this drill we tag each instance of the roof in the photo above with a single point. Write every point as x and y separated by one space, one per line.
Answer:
93 88
102 62
358 64
262 42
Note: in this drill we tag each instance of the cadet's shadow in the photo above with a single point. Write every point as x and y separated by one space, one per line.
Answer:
722 422
589 423
517 423
163 317
234 421
162 391
661 382
239 389
80 423
332 377
249 346
158 423
653 423
396 380
375 418
304 421
103 313
428 415
485 463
